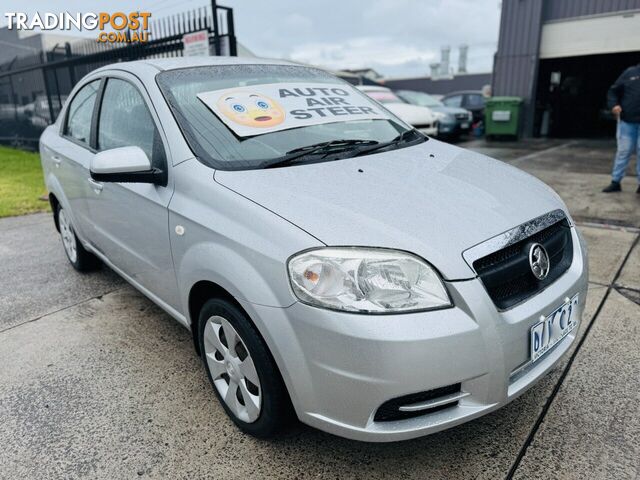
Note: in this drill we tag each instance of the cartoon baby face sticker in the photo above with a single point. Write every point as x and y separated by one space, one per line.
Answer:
251 109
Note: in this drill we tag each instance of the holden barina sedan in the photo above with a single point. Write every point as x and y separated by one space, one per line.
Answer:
331 262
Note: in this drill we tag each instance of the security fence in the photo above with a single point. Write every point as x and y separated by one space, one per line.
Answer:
34 88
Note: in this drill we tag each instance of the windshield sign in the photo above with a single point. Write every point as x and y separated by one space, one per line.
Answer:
266 108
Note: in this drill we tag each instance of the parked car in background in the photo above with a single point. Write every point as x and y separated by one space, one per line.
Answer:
38 114
455 120
472 100
422 118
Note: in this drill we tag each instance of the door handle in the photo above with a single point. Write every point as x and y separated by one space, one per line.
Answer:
56 160
97 186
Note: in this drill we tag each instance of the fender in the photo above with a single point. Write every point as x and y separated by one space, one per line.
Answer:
226 268
220 236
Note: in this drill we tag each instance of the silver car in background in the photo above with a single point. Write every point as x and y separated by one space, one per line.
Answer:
370 281
453 122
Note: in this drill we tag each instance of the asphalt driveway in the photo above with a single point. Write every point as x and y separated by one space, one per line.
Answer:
97 382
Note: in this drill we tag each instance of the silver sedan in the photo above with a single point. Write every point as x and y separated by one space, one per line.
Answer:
332 263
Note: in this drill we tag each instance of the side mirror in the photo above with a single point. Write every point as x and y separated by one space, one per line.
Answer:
125 165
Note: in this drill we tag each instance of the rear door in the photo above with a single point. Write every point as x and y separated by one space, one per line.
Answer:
132 219
475 103
70 155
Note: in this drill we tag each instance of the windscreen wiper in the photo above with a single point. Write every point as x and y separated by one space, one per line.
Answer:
323 148
395 141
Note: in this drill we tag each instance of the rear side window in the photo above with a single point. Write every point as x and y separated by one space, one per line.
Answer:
125 120
475 101
78 124
454 101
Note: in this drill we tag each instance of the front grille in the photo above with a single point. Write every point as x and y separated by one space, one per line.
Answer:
390 411
425 125
506 274
462 116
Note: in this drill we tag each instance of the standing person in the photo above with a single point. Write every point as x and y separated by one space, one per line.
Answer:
624 101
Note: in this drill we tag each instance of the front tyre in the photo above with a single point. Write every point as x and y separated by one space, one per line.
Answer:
79 258
244 376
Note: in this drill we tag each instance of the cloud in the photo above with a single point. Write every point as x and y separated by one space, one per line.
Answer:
397 37
358 52
297 21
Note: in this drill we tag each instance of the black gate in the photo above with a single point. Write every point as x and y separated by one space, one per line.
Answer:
34 88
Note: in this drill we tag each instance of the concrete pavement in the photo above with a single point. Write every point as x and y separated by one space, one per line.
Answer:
578 170
32 281
97 382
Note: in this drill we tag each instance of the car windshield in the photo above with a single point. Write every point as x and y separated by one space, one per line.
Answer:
223 144
384 96
420 98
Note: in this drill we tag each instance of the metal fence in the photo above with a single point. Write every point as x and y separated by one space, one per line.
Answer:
34 88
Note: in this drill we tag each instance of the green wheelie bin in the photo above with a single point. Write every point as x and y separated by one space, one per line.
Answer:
502 117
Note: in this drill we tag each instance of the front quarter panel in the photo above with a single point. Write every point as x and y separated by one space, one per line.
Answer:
230 240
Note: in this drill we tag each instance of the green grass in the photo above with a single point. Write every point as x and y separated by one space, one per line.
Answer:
21 183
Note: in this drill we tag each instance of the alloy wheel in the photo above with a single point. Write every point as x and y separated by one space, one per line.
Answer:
68 236
232 369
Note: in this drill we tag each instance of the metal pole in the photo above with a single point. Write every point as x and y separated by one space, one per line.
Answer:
55 77
47 90
233 47
216 27
72 72
14 98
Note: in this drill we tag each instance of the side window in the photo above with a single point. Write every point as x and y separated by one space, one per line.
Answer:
78 124
475 100
125 121
454 101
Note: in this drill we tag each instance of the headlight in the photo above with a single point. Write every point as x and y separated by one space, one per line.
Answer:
440 116
368 280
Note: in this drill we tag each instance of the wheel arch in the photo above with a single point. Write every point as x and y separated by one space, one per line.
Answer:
204 290
199 293
54 202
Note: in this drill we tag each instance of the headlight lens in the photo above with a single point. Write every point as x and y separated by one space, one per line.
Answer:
366 280
440 116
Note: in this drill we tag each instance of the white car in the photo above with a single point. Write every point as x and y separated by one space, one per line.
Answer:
422 118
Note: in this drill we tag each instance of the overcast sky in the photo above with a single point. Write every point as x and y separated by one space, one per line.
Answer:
396 37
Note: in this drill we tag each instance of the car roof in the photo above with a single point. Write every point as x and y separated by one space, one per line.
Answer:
372 88
411 90
462 92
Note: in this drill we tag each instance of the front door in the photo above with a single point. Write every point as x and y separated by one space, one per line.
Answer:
131 219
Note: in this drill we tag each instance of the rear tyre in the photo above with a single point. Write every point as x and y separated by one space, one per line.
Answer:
244 376
79 258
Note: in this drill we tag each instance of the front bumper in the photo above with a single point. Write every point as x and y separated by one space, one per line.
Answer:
458 127
341 367
431 130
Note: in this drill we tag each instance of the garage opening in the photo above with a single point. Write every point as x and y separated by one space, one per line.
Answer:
571 98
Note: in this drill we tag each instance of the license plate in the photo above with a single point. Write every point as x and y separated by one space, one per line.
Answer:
546 333
501 116
464 125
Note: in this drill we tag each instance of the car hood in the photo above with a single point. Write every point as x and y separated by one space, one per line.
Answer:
433 199
412 114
